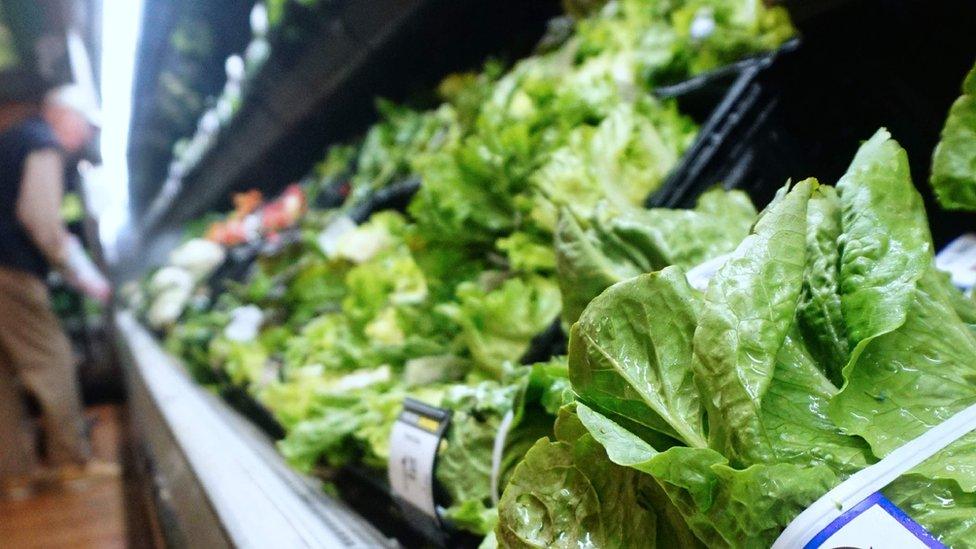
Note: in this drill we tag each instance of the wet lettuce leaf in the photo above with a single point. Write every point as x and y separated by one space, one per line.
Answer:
820 318
746 315
626 363
941 507
913 363
954 160
567 493
612 244
723 506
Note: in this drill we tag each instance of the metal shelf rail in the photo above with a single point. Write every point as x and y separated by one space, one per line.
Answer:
217 480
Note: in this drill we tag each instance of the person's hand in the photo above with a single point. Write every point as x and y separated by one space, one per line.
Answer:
83 275
95 287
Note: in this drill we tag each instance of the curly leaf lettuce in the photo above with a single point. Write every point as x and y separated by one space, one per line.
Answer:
497 325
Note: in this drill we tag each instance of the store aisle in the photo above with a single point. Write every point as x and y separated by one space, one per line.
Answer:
82 517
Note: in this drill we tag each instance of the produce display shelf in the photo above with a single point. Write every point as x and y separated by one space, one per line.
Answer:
308 96
215 479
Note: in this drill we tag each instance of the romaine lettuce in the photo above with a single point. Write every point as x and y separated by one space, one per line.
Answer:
954 160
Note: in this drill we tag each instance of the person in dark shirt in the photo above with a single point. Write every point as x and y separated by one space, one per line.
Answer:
35 355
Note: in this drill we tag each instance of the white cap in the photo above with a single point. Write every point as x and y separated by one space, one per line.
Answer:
77 99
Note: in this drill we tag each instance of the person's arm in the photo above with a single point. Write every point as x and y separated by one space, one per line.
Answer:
39 211
39 204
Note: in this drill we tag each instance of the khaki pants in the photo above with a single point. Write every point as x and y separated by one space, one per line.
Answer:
35 356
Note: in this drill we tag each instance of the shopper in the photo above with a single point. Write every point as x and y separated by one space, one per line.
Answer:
35 355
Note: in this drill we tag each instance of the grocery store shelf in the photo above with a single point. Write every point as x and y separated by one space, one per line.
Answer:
322 90
166 69
216 479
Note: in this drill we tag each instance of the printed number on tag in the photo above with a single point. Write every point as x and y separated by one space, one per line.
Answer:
414 442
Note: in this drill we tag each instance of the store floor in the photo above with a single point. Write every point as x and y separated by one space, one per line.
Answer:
88 516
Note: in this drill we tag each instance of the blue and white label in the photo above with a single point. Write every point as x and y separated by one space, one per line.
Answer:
875 522
959 260
855 514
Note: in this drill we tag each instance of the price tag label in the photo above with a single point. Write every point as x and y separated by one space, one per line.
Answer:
699 275
414 442
875 522
245 323
328 239
959 260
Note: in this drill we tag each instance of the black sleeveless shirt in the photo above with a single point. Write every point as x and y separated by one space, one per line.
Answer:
17 250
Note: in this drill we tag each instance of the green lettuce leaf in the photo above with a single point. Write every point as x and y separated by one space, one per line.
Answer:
746 315
618 244
567 493
886 242
954 159
584 269
498 324
819 316
939 506
913 378
912 367
625 362
723 506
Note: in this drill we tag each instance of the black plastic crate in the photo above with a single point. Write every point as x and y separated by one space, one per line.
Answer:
865 65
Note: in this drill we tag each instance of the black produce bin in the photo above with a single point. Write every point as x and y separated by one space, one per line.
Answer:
866 65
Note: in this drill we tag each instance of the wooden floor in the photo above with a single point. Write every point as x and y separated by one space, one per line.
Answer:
83 517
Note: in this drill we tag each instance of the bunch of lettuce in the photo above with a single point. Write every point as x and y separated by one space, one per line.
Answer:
827 340
612 244
954 161
338 399
443 304
501 187
385 154
411 318
665 42
576 125
348 420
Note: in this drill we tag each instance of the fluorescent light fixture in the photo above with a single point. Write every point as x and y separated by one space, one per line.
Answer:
121 21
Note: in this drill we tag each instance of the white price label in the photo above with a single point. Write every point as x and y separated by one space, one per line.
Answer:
959 260
875 522
245 323
328 239
414 442
699 275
